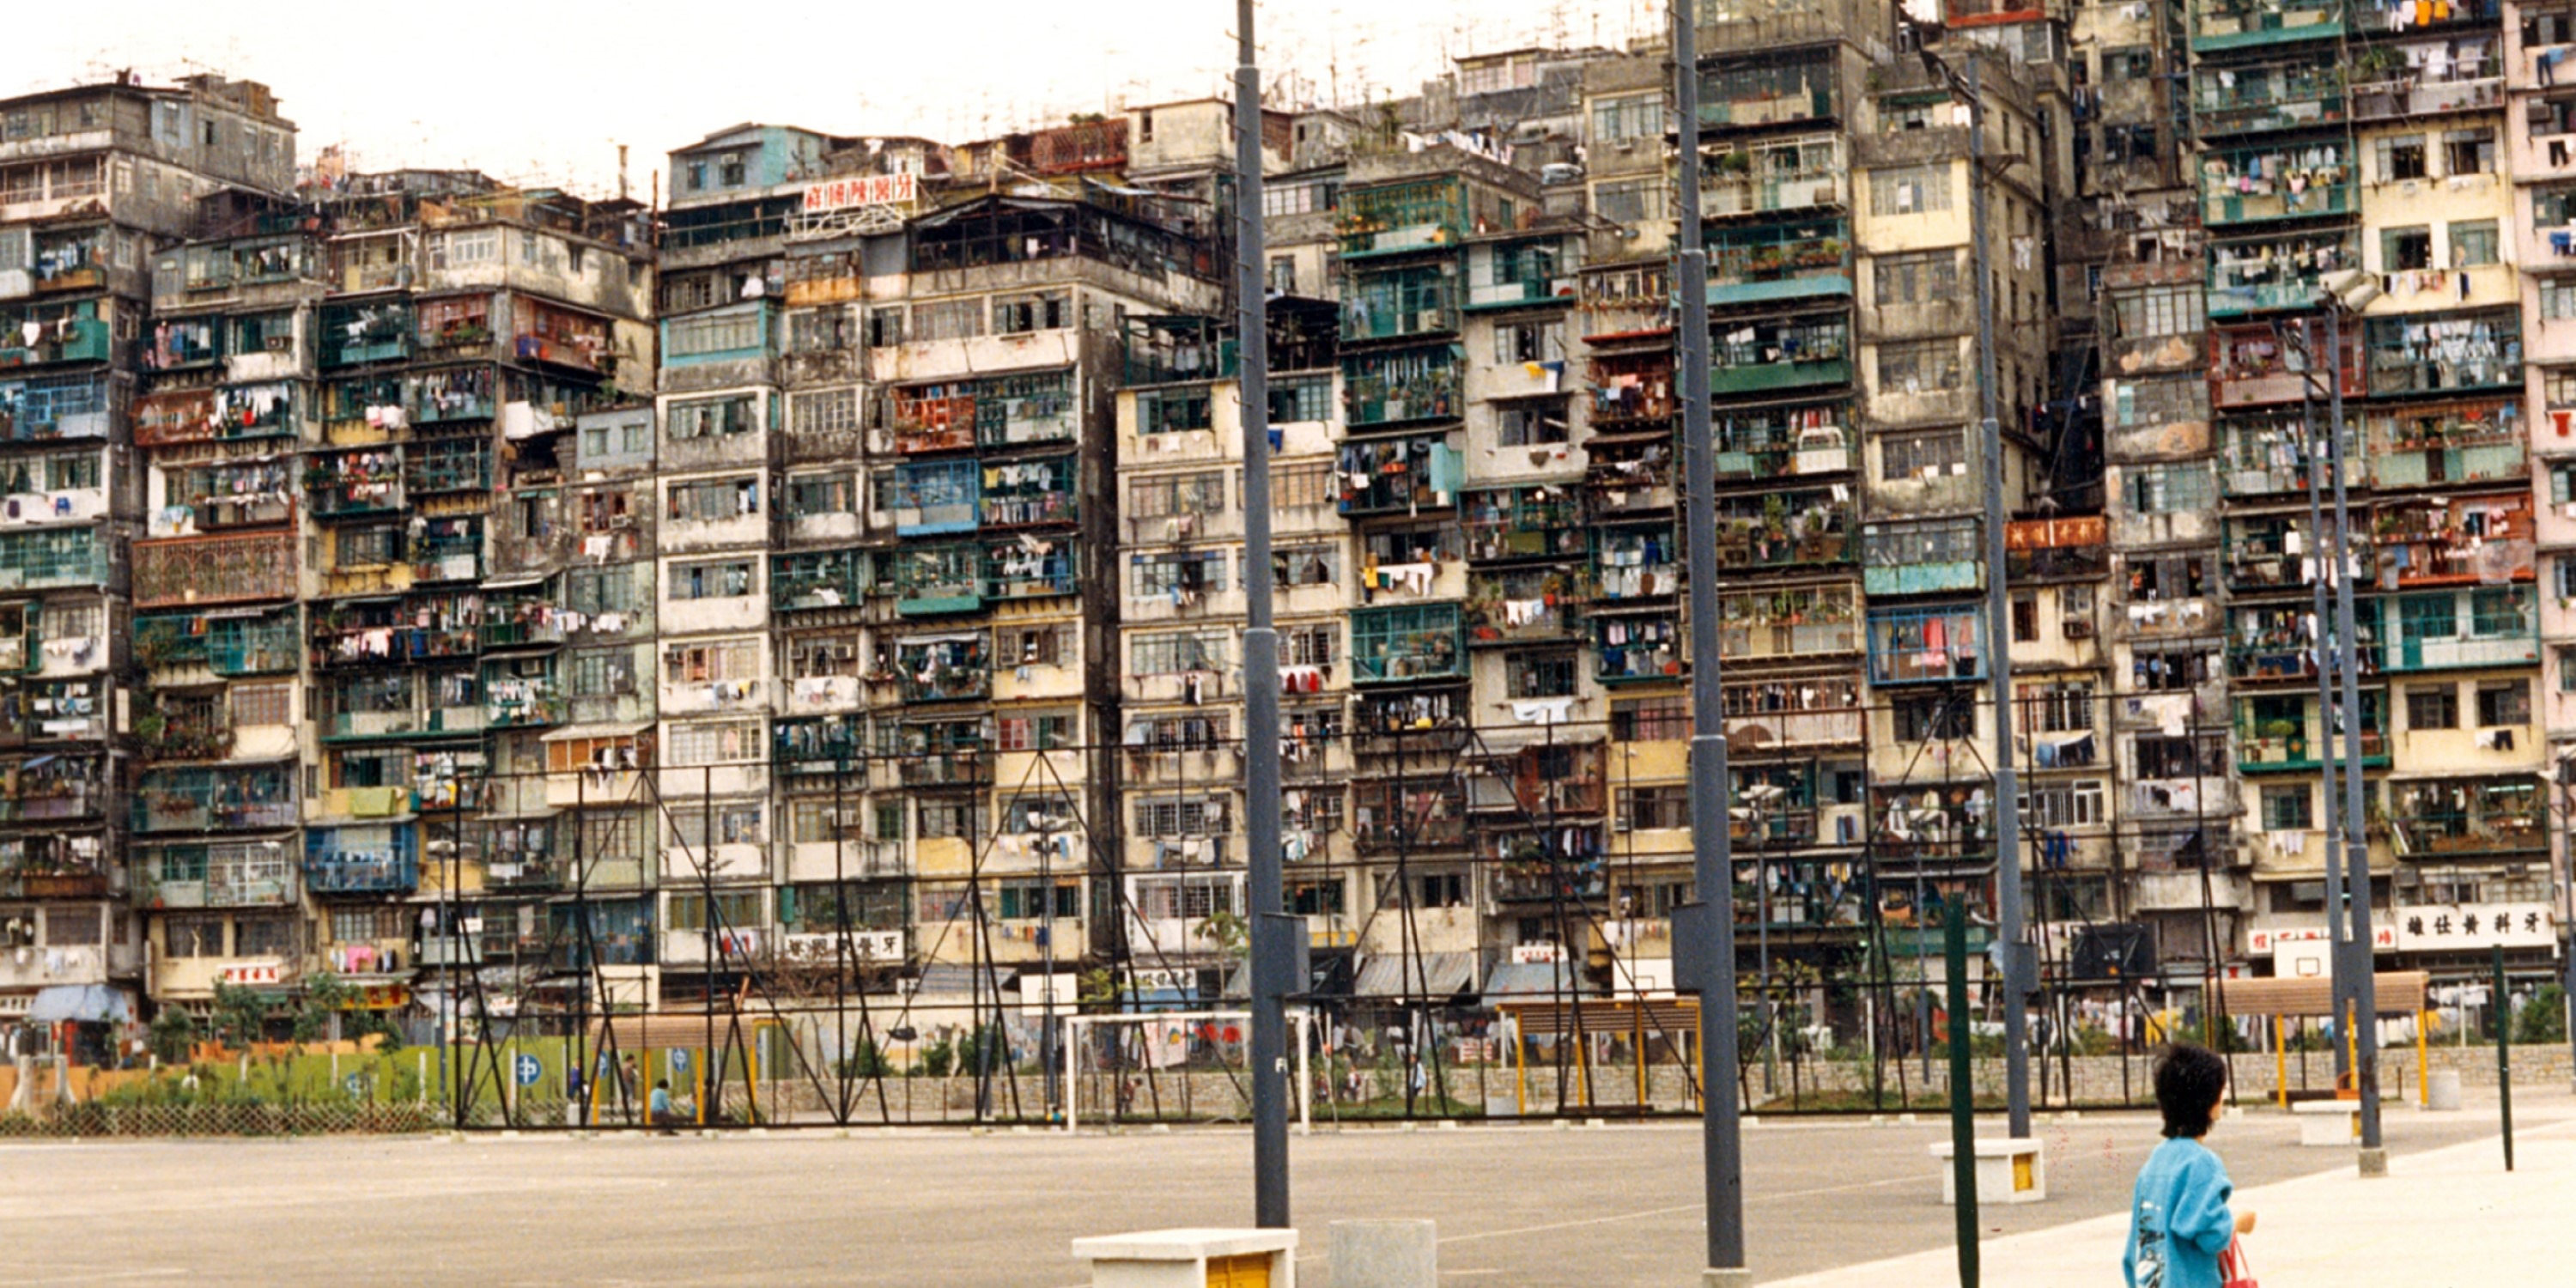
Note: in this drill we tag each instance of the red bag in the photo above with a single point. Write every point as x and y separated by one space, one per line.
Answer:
2234 1271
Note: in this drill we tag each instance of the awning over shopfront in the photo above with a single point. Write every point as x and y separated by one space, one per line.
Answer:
87 1003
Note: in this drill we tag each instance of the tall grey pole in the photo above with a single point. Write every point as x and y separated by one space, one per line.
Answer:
2357 958
1712 857
2332 804
1260 662
2017 982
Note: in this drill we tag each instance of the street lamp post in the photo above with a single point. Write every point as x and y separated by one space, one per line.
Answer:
2329 661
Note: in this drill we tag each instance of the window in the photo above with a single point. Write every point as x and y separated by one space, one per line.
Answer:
713 500
2432 706
1299 400
711 662
1925 277
2474 243
1047 645
709 418
1529 424
717 579
813 495
1306 565
697 826
2158 311
1922 454
822 654
819 330
1539 675
1933 717
1035 731
2503 702
358 547
2405 250
2025 617
2127 63
594 591
1650 720
1179 494
1637 116
2122 144
1653 807
1174 816
2469 151
2557 302
466 249
599 675
1531 341
823 411
884 327
1037 311
1910 190
1315 645
1283 268
1299 197
1178 653
2064 805
1165 411
734 910
1635 201
263 704
272 936
193 935
1918 366
729 170
2289 809
2401 158
358 925
2190 756
2058 706
948 320
1303 486
1028 900
1172 575
2170 489
720 742
691 337
809 822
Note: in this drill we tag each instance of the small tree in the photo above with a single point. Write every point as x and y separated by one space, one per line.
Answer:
172 1034
240 1014
2543 1021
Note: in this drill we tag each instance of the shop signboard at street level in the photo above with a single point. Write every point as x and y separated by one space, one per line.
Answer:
2473 927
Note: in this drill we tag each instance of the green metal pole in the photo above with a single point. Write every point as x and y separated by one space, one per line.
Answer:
2502 1009
1963 1106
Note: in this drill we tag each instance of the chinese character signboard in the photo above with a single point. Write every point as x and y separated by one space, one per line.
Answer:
249 973
861 190
2473 927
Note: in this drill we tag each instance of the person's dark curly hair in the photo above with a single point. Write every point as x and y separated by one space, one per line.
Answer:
2189 1080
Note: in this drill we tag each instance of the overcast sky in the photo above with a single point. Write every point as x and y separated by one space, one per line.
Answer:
541 91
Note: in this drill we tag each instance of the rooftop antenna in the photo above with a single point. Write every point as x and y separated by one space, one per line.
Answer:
621 170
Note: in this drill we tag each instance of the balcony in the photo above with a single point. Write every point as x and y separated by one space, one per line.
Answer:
2270 645
1926 645
450 465
210 570
251 874
520 617
935 496
1411 818
1014 571
2236 100
1785 176
1504 275
2279 273
216 798
2266 454
1791 715
1779 88
370 860
1763 263
452 394
2455 540
1770 443
1632 391
1404 476
1400 303
2415 354
944 668
1402 218
1521 606
1922 556
1766 355
2279 734
1809 622
2440 446
356 482
1407 642
184 726
59 341
1401 386
231 646
2254 185
2279 552
821 745
1171 349
447 550
422 628
376 331
1029 493
2415 98
2439 819
520 702
2500 629
818 579
2252 365
1636 562
1506 525
2243 24
1636 647
49 558
50 409
52 789
1786 529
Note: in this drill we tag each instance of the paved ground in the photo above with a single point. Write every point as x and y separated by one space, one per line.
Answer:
1516 1206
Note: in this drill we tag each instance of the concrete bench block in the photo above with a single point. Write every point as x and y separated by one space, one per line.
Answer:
2010 1169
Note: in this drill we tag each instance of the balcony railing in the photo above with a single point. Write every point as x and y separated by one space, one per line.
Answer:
2241 24
389 874
2412 99
74 340
2246 100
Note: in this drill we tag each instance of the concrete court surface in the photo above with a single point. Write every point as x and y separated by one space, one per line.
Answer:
1515 1205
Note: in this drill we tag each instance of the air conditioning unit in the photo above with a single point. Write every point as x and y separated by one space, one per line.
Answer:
2076 628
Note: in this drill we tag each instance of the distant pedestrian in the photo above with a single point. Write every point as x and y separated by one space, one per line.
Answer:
629 1082
2179 1222
660 1108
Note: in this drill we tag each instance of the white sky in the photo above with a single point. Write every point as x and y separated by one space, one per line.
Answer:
540 91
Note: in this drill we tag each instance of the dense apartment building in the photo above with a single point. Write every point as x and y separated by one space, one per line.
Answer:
841 566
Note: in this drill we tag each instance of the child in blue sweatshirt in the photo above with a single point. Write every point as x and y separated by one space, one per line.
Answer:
2178 1217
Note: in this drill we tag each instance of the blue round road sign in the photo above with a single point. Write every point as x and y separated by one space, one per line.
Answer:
527 1070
